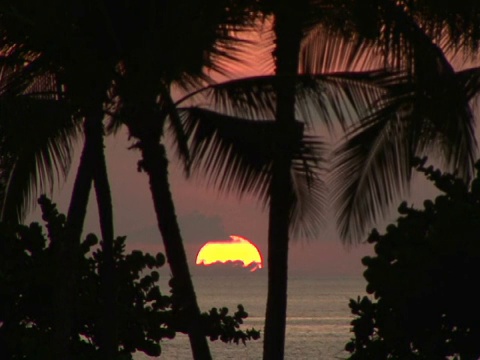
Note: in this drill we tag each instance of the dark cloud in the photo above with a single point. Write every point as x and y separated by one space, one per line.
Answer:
196 228
199 228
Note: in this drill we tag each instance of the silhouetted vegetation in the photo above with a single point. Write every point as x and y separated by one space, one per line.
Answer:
66 53
424 278
78 59
28 264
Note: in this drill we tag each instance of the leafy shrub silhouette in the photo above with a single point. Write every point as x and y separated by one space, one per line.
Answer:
424 279
28 264
27 268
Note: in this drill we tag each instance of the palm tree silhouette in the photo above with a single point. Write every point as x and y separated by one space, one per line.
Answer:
373 165
154 62
274 158
53 75
172 61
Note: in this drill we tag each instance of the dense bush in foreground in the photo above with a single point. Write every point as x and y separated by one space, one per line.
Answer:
424 278
28 264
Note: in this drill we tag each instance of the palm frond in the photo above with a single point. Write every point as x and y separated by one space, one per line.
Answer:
179 137
225 22
22 77
370 170
36 146
336 98
251 98
310 201
399 29
447 117
326 50
456 24
343 98
236 155
470 78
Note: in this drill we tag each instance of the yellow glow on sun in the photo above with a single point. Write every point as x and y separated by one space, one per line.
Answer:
236 250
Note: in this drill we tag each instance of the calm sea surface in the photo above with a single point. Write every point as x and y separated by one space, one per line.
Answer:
317 322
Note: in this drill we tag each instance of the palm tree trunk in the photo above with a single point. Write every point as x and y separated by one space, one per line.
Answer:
92 167
67 250
288 36
108 288
77 209
155 164
279 216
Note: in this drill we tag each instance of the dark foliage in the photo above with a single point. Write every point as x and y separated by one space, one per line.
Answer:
28 264
225 327
424 279
217 323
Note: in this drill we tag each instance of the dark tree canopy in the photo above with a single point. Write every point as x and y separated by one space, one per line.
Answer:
424 278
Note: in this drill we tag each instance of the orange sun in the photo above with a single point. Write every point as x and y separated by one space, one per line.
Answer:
237 250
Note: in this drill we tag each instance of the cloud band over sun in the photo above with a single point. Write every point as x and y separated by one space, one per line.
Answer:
238 250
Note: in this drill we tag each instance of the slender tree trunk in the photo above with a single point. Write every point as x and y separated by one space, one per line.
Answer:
155 164
77 209
108 329
67 248
288 36
92 167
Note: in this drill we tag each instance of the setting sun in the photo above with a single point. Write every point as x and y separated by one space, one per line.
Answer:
236 250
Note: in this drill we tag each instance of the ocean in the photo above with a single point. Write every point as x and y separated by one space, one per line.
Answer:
318 318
